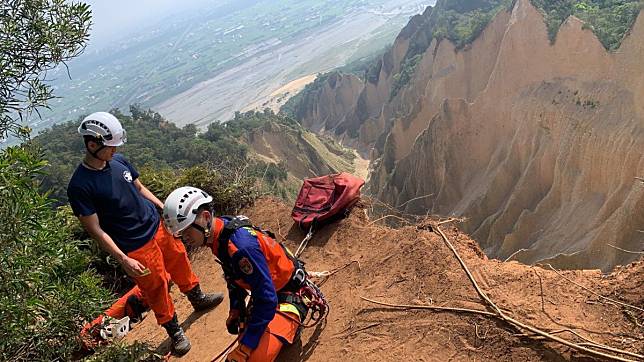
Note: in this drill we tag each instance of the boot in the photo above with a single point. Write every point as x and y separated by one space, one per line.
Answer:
180 343
201 301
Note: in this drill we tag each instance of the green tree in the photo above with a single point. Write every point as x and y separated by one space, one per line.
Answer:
610 20
46 287
35 36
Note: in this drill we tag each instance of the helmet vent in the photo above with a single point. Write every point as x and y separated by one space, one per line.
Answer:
108 134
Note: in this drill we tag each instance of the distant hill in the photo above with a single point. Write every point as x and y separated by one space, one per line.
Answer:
274 150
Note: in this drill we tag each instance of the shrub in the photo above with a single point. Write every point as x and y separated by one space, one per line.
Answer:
231 185
46 288
403 77
122 352
610 20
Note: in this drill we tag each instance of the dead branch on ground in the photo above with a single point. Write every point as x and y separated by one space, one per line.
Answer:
279 230
513 254
500 314
451 219
414 199
427 306
388 216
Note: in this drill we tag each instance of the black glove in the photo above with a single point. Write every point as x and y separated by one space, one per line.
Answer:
232 322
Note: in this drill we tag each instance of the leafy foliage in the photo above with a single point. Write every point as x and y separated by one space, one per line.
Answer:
610 20
459 21
463 21
362 67
46 289
242 123
35 36
404 76
232 186
165 153
123 352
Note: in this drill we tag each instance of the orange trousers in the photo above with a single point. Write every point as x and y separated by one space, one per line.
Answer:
280 330
163 255
90 336
119 310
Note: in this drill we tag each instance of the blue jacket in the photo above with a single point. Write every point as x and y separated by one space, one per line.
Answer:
259 264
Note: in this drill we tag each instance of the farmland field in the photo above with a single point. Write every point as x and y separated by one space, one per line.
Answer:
247 48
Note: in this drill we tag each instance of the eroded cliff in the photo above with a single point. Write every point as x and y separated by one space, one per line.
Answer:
537 143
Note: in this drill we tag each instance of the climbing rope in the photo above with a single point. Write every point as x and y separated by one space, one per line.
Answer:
304 243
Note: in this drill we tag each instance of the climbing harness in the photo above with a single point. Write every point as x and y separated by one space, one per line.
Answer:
316 303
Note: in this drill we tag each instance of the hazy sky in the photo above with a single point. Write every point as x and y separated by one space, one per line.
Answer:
114 19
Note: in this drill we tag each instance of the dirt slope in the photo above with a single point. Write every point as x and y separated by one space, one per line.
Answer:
408 265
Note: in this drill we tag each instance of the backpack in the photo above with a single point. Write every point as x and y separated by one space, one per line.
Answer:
324 198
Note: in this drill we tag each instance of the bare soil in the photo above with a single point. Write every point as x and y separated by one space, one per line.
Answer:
411 266
278 97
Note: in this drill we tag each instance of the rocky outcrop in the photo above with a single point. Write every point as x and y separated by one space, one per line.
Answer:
542 161
325 107
536 143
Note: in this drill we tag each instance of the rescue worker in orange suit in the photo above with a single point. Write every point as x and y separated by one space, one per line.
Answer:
121 215
251 260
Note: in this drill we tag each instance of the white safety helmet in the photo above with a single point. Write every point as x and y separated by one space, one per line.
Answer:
113 329
105 127
180 208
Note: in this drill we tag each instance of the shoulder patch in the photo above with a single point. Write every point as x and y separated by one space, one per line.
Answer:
245 266
251 231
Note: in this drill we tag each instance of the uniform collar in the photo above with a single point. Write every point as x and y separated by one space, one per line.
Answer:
217 226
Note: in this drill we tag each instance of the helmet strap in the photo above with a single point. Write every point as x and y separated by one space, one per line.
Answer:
95 153
205 231
99 149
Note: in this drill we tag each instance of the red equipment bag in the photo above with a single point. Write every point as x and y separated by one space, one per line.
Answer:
323 198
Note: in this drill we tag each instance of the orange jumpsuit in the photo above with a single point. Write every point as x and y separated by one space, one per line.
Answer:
163 255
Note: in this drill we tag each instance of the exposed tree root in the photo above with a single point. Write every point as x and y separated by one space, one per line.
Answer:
588 347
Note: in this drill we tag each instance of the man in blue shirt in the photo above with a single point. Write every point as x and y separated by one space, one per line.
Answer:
121 215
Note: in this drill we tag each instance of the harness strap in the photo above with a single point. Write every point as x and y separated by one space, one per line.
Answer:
235 223
299 273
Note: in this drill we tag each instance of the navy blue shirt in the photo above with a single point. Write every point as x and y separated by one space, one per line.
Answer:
124 214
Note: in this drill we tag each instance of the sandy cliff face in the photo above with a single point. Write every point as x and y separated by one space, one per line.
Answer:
537 144
543 158
325 108
352 108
